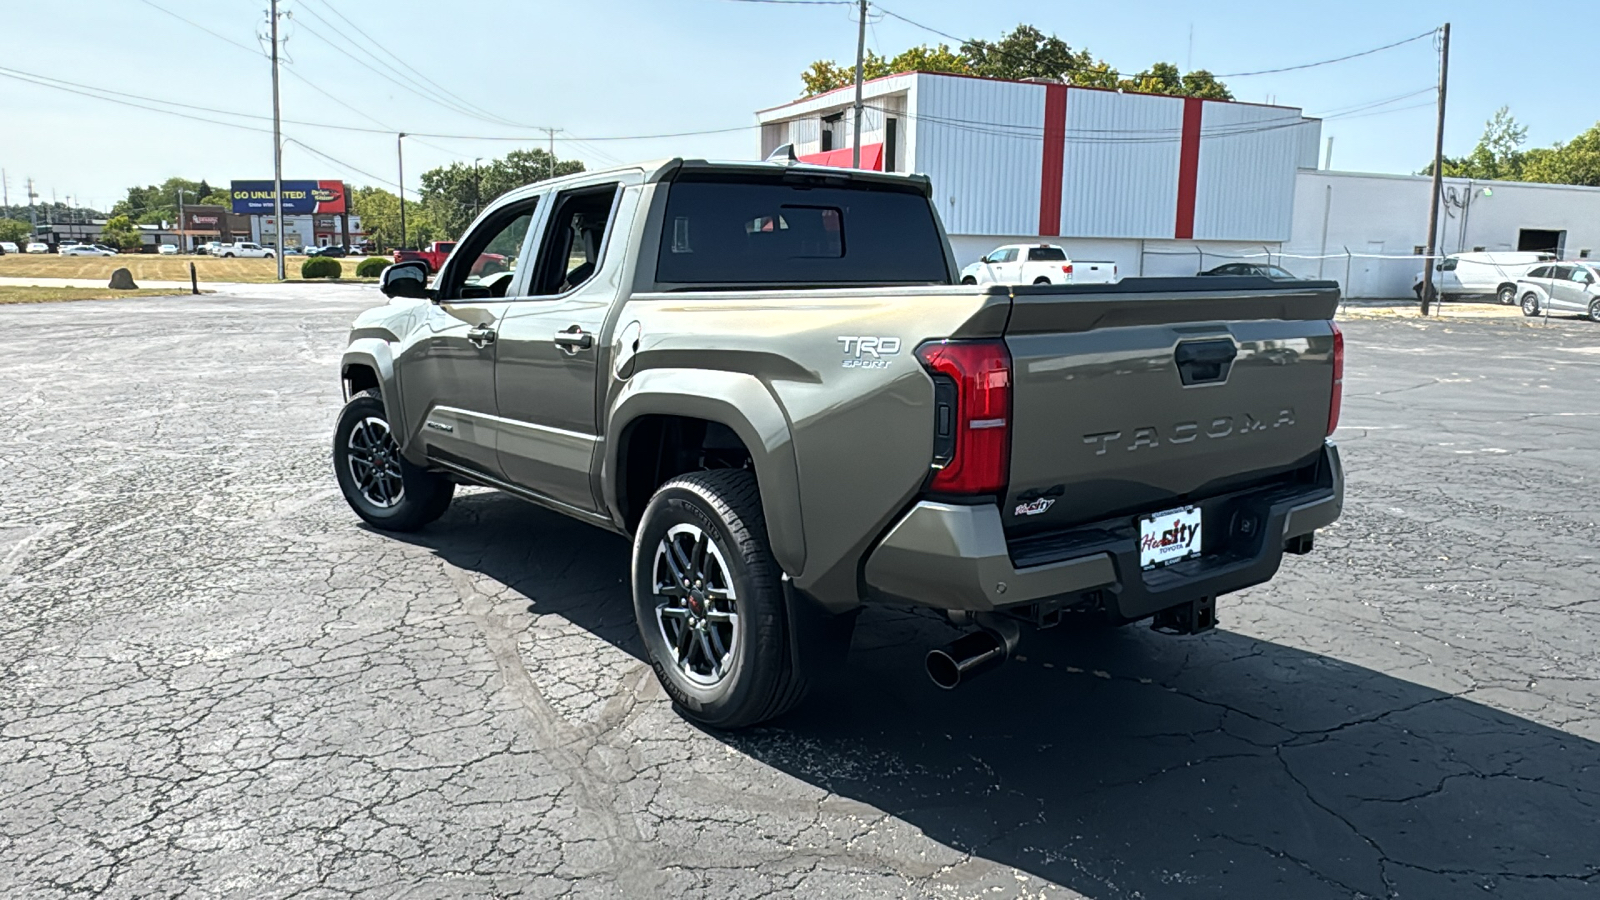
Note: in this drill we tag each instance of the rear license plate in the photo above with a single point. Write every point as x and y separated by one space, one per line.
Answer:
1169 537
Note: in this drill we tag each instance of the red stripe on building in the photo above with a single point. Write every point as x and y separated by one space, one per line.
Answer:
1188 168
1055 147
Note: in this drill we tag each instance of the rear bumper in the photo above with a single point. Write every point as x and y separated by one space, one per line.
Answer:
949 556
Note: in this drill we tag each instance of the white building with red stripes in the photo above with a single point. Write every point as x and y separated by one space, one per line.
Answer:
1150 182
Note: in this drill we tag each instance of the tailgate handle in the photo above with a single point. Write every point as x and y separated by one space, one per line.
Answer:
1205 362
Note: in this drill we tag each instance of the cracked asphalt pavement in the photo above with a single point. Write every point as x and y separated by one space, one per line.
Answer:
216 683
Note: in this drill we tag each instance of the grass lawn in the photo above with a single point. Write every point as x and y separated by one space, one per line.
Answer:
152 267
51 294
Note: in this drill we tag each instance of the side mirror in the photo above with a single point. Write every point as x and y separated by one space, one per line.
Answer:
406 279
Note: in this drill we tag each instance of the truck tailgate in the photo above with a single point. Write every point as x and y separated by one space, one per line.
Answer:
1143 396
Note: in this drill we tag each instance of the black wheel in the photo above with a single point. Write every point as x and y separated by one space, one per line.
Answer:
379 484
969 280
1041 280
1507 294
1594 311
1530 304
709 602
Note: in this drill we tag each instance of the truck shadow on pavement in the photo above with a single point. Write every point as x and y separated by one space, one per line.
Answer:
1120 763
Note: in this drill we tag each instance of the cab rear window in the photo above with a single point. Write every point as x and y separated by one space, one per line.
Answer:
1046 254
722 229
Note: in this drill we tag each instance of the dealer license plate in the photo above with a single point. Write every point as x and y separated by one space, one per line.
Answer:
1169 537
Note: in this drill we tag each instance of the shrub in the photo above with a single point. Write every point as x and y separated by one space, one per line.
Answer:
372 267
321 267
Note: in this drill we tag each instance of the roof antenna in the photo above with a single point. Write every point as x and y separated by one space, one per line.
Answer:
783 154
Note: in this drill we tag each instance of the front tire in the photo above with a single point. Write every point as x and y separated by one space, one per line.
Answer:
969 280
1594 311
383 487
709 601
1530 304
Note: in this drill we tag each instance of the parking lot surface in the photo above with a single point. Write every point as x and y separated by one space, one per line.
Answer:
217 683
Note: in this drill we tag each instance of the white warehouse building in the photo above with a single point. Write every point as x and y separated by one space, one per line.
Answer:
1139 179
1166 185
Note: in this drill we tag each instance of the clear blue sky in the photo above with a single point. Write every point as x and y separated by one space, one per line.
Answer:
632 67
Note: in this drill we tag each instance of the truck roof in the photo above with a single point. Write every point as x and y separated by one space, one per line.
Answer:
663 169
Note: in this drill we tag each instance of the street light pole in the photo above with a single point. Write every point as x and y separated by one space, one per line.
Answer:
400 156
477 187
183 245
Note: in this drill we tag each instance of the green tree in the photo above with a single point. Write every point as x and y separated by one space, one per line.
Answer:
1498 154
1575 162
16 232
452 195
157 203
1026 52
119 232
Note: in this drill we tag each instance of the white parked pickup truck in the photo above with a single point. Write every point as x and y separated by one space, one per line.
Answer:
1036 264
243 249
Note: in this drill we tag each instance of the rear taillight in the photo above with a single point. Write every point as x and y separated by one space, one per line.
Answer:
1338 380
1067 268
972 415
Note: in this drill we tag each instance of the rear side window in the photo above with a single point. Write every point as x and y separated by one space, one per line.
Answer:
1046 254
732 230
1539 272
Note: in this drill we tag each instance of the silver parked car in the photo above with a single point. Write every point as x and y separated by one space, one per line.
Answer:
1561 288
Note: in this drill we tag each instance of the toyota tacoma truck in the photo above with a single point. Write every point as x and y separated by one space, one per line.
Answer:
769 376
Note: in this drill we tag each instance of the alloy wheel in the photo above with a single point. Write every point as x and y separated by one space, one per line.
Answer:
374 460
696 605
1530 304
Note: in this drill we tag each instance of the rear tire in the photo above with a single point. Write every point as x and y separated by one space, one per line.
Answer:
1041 280
1530 304
1507 294
383 487
710 603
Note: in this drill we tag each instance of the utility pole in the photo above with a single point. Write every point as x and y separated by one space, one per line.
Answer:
1328 163
477 188
277 151
1438 173
861 49
552 132
5 193
400 156
33 214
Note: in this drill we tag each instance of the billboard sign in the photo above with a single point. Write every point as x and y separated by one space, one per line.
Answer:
254 198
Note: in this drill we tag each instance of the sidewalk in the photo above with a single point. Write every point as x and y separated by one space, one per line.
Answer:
1408 309
13 281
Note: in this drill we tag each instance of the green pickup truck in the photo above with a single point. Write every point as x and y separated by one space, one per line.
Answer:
769 376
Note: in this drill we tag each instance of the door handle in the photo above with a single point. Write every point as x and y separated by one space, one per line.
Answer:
481 337
574 339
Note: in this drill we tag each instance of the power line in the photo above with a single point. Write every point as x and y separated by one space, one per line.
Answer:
408 67
1338 59
194 24
994 49
97 92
